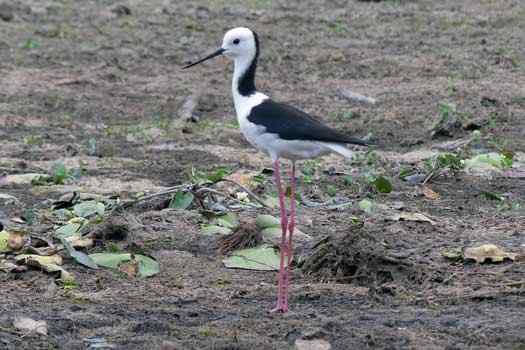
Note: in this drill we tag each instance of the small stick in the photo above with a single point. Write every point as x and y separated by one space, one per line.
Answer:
353 96
158 194
187 109
250 193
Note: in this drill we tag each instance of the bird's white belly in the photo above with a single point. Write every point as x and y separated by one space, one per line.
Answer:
276 147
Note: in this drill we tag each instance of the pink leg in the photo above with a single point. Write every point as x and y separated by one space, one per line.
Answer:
291 227
282 302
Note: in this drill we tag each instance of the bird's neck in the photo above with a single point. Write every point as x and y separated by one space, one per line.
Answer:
243 83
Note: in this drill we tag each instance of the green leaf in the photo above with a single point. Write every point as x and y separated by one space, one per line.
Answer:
59 173
88 208
264 221
331 190
366 205
67 230
181 200
262 258
492 196
147 266
270 232
488 161
80 257
4 236
382 185
228 220
215 230
218 174
110 260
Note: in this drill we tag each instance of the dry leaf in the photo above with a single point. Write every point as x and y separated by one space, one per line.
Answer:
130 268
37 260
487 252
429 193
80 242
29 325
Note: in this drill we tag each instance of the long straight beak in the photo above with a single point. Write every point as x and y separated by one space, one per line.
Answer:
216 53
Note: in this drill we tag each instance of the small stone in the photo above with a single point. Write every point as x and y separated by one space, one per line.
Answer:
6 12
313 344
121 10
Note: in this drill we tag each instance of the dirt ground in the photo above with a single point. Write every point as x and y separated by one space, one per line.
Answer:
98 85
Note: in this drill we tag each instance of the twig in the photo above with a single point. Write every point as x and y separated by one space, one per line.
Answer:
250 193
352 96
158 194
328 205
9 330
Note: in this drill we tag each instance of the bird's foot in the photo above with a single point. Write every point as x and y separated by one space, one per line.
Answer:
281 307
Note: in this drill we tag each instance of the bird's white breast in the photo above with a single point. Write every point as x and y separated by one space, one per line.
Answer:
243 107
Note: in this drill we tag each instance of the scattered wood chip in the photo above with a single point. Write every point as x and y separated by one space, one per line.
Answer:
430 193
407 216
487 252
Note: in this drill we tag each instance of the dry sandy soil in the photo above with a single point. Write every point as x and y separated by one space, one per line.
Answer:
98 85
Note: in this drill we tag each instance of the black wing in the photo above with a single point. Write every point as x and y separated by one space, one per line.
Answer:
293 124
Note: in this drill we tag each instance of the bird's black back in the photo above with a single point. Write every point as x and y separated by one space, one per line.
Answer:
291 123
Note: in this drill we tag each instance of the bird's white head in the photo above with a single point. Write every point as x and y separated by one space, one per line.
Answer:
240 44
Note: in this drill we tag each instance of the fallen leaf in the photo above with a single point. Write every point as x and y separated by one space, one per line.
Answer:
264 221
80 242
366 205
486 163
382 185
215 230
262 258
80 257
486 252
407 216
181 200
28 325
429 193
67 230
270 227
228 220
89 208
49 264
146 265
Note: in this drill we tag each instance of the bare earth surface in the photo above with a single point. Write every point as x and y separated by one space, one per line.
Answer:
95 86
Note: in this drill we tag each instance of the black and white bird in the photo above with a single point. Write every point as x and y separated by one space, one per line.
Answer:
279 130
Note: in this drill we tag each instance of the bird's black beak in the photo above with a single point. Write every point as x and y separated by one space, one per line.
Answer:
216 53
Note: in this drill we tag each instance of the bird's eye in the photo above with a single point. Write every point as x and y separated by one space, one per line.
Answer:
236 41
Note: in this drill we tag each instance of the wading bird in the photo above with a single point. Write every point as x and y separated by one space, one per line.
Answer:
277 129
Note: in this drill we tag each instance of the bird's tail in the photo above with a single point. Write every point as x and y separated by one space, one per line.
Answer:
341 149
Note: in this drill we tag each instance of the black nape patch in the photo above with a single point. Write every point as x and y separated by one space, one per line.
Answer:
293 124
246 84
